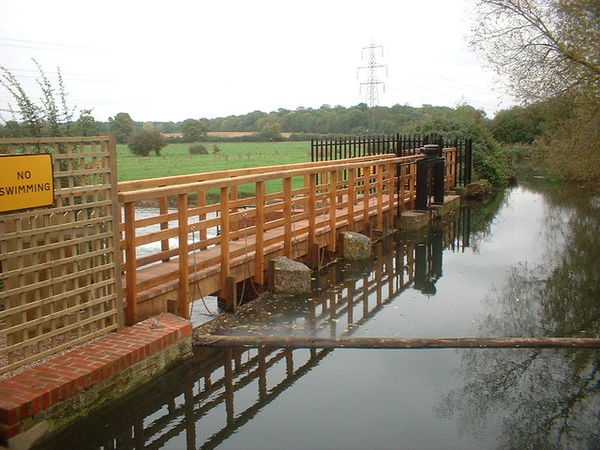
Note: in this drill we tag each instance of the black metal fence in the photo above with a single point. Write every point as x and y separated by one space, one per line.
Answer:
328 149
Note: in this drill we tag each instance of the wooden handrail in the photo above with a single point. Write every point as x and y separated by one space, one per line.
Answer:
330 187
157 192
229 173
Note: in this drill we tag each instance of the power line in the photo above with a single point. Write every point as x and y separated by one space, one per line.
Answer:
45 45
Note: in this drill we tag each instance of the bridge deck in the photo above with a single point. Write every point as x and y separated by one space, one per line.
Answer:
205 268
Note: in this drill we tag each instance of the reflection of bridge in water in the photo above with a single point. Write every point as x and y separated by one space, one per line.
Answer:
209 398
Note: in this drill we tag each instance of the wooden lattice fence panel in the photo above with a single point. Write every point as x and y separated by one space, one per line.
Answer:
59 266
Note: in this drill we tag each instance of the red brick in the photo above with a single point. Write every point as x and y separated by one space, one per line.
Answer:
8 431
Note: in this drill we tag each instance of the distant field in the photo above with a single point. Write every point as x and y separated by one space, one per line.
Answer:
175 159
226 134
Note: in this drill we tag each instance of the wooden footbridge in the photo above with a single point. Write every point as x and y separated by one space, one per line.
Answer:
91 255
205 233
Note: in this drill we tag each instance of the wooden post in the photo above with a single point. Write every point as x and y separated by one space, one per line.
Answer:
312 193
391 173
366 195
201 217
225 257
184 270
332 209
163 209
379 188
130 264
395 343
233 195
259 258
287 217
351 197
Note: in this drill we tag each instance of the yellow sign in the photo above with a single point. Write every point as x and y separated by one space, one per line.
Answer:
26 181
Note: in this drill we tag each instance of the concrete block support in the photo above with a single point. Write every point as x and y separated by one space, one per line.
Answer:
356 246
289 277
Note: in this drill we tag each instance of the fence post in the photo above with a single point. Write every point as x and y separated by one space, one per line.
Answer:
287 217
332 209
422 184
351 197
259 270
130 264
163 206
184 270
225 257
468 160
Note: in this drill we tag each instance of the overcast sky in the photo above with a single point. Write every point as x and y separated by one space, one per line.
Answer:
173 60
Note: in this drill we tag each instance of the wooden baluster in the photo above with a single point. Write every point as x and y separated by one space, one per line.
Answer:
312 198
351 197
130 264
225 257
233 196
391 184
259 261
379 190
184 270
332 209
201 217
163 209
287 217
366 195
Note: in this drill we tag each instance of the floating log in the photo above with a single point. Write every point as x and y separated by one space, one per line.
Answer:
392 343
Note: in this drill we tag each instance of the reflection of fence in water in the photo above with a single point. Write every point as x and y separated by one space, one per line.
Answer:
224 389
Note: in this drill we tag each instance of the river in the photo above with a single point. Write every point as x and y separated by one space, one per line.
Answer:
523 264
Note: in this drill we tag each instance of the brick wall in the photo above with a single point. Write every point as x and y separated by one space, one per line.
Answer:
97 372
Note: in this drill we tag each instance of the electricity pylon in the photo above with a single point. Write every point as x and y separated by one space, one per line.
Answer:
372 83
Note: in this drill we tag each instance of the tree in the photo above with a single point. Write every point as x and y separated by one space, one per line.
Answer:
147 140
86 125
271 131
193 130
122 125
546 48
50 117
11 129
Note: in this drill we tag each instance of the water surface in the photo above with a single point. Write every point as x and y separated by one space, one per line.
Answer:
524 264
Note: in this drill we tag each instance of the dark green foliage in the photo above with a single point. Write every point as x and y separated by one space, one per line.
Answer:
193 130
216 149
86 125
146 140
198 149
478 190
122 125
518 124
271 132
490 161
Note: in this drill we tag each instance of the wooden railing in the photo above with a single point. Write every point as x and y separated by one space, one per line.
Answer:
215 230
308 203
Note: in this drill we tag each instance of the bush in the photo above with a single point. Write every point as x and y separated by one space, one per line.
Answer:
198 149
478 190
146 140
216 149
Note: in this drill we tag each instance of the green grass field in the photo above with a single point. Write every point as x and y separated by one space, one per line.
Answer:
175 159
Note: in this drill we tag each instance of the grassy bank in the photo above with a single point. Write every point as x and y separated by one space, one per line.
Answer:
175 159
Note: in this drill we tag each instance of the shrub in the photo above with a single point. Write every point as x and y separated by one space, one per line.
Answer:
146 140
216 149
478 190
198 149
